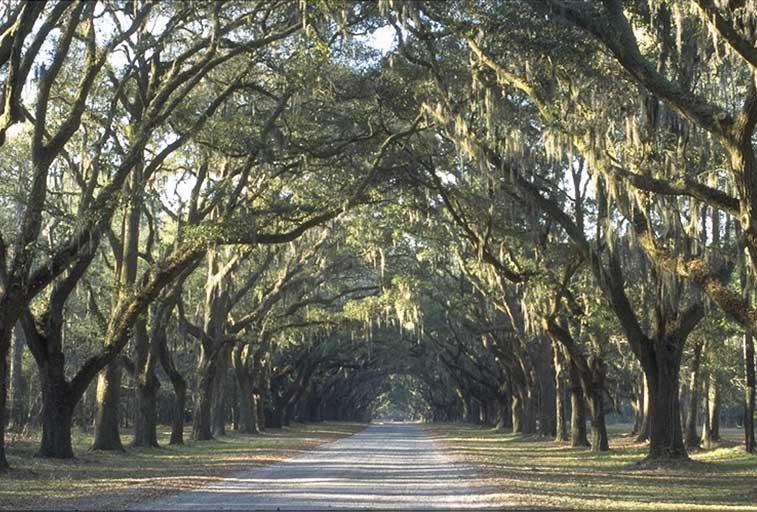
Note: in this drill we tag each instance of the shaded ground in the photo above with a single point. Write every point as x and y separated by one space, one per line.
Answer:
542 474
386 466
97 480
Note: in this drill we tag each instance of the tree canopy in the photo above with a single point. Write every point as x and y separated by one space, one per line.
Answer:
519 213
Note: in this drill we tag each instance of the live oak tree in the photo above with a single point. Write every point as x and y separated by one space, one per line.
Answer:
519 212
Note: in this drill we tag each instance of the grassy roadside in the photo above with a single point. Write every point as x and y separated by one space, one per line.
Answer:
98 480
544 474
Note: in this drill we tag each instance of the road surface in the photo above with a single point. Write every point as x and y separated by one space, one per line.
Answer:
386 466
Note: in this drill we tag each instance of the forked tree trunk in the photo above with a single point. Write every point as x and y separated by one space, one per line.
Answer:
212 363
158 333
107 436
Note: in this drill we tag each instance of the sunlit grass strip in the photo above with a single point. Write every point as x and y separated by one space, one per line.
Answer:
542 473
105 480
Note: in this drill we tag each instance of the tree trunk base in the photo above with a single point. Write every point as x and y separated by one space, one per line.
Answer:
666 461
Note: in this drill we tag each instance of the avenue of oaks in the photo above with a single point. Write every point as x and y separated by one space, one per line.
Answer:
526 214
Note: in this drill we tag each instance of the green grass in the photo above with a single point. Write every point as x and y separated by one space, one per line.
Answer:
105 480
539 473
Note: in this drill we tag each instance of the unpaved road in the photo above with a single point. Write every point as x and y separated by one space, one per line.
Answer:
386 466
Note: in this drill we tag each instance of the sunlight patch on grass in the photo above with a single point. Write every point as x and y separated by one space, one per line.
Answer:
543 473
107 480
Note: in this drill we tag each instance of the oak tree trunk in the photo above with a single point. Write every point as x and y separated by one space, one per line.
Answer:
17 412
248 420
517 410
578 433
692 436
218 401
201 424
599 439
749 393
665 432
57 411
643 434
707 442
561 398
713 406
179 384
107 436
177 420
5 341
147 386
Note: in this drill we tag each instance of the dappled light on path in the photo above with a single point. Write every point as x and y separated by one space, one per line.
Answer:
387 466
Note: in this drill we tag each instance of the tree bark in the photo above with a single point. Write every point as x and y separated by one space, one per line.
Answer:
160 340
665 432
261 406
578 409
518 413
218 401
504 420
547 397
177 421
561 396
213 355
643 434
17 413
6 325
107 435
147 386
637 405
201 424
749 396
57 411
692 436
107 400
713 399
276 417
707 442
248 421
599 439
